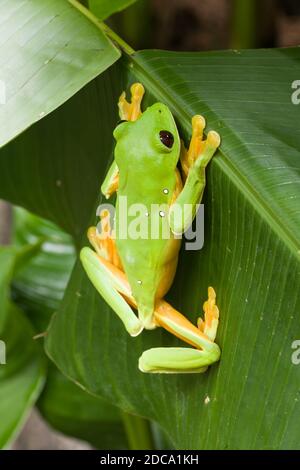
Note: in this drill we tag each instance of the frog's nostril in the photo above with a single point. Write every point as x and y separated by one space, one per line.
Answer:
166 138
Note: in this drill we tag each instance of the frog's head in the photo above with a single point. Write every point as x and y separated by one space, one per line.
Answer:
151 140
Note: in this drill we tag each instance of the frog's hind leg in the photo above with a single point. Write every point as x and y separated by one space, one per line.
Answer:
209 325
103 267
184 360
112 285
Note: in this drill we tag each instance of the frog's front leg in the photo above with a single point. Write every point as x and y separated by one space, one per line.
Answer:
128 111
193 163
184 360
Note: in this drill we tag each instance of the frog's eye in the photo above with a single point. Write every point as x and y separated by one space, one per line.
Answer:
166 138
121 121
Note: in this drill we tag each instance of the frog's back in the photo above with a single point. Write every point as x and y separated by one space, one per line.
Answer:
147 153
145 243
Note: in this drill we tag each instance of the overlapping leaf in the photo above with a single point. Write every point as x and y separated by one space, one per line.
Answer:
48 51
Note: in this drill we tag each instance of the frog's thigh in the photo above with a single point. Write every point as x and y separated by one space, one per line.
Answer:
180 360
112 285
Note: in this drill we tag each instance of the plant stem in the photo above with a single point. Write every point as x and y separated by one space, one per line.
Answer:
102 26
138 432
116 38
244 24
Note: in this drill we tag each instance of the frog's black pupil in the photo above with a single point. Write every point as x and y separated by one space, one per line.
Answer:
166 138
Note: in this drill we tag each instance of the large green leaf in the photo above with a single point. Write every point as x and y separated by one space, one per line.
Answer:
48 51
249 400
247 97
22 377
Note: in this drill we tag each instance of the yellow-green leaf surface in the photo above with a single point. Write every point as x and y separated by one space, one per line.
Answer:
48 51
251 398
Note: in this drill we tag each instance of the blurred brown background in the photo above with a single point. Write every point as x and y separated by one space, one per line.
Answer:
193 25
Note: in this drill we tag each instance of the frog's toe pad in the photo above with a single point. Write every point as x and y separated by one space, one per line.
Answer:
131 110
177 360
209 325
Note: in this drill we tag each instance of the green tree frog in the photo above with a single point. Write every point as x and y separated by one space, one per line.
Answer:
134 273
